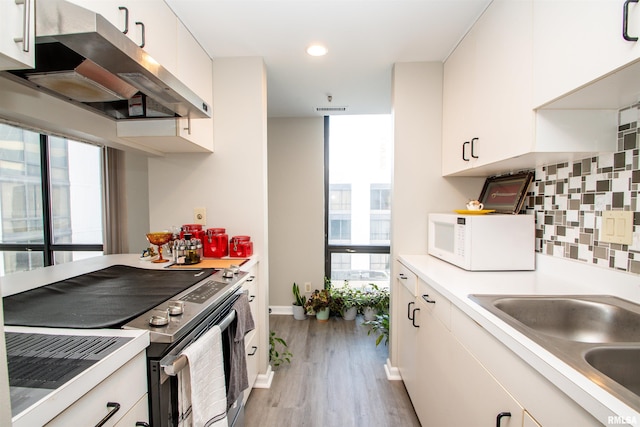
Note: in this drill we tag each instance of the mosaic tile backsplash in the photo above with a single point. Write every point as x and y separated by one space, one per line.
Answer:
568 200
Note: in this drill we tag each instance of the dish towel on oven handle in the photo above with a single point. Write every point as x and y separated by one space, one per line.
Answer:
202 400
238 378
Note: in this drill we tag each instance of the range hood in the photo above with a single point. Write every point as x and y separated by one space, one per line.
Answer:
83 58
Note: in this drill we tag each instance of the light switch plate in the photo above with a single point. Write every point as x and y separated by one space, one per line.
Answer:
617 227
200 216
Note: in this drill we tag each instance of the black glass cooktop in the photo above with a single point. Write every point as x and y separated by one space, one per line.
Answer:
106 298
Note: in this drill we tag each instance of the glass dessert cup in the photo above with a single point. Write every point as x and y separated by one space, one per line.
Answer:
159 239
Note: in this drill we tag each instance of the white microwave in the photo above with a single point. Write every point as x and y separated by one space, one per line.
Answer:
483 242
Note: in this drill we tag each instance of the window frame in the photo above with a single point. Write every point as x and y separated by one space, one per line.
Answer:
48 247
331 249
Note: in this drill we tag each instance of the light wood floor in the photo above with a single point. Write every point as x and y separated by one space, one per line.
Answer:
336 379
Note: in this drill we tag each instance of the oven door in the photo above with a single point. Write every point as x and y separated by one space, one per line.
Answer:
163 388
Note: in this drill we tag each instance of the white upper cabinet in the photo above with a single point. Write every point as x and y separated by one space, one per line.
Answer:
487 113
17 34
577 42
151 24
490 122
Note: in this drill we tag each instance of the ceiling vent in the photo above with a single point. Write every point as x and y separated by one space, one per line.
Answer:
330 109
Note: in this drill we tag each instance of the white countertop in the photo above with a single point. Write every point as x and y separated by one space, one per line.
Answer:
58 400
61 398
552 276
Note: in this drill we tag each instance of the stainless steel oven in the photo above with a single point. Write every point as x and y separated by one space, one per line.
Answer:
164 362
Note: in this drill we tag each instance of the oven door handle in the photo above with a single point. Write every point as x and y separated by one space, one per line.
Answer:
173 364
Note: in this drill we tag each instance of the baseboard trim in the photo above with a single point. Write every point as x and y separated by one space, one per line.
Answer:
264 380
393 373
281 310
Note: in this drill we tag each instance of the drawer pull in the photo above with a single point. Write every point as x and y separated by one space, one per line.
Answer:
409 310
413 320
126 19
251 298
115 407
250 278
141 424
500 416
473 145
401 276
253 353
142 35
625 22
425 297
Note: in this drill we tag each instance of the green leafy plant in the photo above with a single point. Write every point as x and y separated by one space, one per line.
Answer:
300 299
278 350
379 325
376 298
345 298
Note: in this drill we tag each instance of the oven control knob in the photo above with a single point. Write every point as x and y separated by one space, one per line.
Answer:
176 308
227 273
158 320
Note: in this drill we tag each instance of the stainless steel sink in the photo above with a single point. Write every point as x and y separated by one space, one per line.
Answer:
618 363
592 319
597 335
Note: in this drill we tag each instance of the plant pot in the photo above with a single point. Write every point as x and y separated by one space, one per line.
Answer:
350 313
370 313
299 313
323 315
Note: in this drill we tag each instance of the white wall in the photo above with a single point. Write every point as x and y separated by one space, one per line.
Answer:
296 206
418 187
136 202
230 183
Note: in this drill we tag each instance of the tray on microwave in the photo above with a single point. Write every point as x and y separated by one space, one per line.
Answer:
506 194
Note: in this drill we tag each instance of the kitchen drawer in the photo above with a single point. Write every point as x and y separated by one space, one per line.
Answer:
408 278
126 387
139 413
251 350
251 286
440 307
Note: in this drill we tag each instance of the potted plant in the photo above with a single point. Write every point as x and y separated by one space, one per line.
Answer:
375 301
347 301
278 350
299 310
320 303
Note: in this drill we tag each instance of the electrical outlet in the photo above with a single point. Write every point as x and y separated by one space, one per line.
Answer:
200 216
617 227
307 286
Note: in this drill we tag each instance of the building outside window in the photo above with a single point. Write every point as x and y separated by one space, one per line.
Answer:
359 160
50 202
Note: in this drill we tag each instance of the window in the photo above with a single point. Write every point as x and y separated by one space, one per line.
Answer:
358 162
51 200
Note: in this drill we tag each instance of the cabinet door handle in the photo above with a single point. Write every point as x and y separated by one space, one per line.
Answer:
500 416
425 297
253 353
472 148
26 21
141 424
251 298
409 310
126 19
114 407
250 278
464 152
413 320
401 276
625 21
141 24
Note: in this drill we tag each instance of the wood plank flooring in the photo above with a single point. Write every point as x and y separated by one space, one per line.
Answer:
336 379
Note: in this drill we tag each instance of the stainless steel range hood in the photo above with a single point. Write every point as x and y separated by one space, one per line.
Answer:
83 58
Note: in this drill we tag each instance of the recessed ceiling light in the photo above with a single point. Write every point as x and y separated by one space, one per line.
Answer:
317 50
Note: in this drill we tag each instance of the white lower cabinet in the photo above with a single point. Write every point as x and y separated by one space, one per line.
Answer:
252 339
126 387
455 389
458 374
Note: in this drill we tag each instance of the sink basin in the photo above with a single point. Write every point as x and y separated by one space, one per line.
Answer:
618 363
598 335
574 318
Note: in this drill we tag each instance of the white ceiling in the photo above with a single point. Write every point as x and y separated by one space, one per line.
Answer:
364 37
